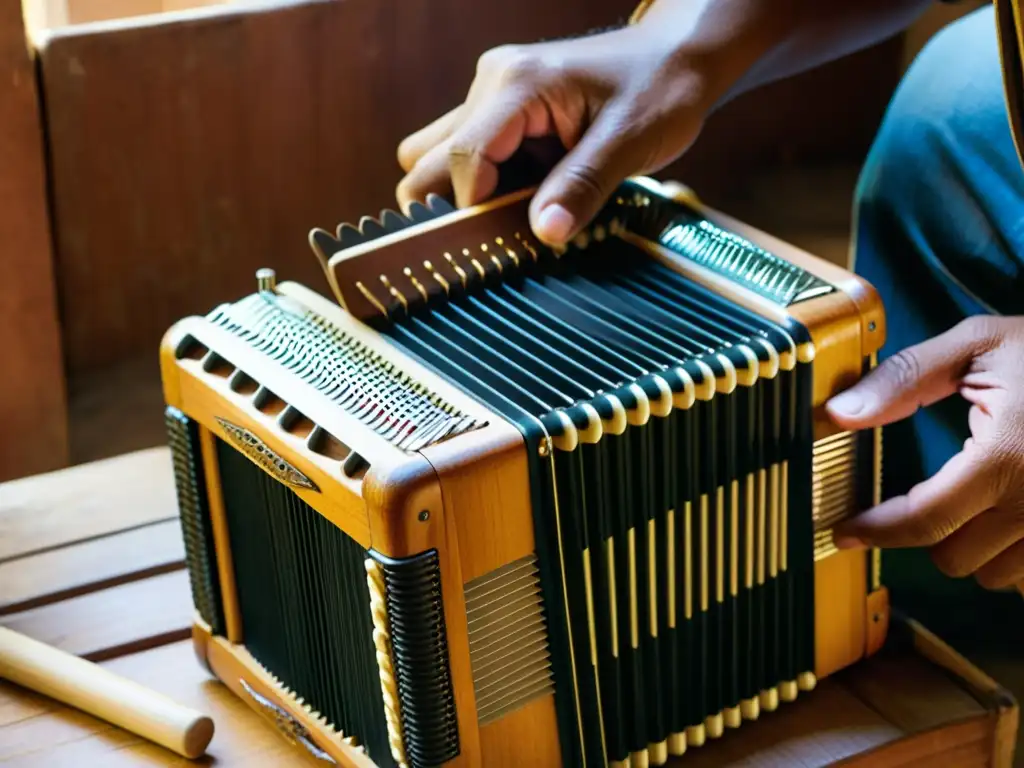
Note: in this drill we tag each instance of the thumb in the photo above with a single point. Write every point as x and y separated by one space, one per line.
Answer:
913 378
609 151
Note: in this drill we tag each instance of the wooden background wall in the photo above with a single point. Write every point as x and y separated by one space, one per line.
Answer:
33 417
184 151
186 155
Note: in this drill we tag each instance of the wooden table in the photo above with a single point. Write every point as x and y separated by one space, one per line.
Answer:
91 561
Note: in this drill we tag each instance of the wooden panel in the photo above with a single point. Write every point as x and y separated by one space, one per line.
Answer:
114 621
502 744
188 153
57 574
47 511
33 409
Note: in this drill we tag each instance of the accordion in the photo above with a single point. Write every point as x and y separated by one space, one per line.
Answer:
495 503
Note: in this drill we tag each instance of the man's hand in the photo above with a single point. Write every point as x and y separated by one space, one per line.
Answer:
622 103
971 512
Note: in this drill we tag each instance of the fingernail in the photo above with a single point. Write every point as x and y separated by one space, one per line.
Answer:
555 224
848 542
848 404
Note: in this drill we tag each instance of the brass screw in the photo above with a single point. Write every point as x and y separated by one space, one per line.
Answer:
543 449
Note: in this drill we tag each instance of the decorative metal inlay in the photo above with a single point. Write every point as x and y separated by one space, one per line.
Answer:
292 730
508 639
735 257
264 457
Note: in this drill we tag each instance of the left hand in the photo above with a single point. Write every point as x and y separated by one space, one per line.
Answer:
971 512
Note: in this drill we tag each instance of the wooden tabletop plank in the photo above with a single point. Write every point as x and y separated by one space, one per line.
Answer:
58 574
113 622
88 501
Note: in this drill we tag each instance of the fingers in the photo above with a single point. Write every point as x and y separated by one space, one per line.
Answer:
1005 570
481 144
915 377
580 184
414 147
430 175
978 542
467 160
967 484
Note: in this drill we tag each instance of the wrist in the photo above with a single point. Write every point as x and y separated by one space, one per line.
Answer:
712 45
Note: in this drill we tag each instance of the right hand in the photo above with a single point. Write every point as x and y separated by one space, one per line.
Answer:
622 103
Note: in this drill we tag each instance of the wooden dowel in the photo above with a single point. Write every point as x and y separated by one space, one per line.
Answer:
103 694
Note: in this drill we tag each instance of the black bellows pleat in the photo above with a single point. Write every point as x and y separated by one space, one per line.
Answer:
303 600
419 645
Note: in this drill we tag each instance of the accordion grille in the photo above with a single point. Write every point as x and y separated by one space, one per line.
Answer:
304 602
403 411
738 259
834 487
508 639
183 440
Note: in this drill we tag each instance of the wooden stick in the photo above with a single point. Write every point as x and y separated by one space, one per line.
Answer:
99 692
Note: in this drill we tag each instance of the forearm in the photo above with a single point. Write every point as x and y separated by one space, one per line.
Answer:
742 44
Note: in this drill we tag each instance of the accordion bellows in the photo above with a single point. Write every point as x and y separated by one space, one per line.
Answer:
496 504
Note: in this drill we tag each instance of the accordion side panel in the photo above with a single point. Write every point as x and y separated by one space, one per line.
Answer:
409 517
527 736
314 478
840 608
485 484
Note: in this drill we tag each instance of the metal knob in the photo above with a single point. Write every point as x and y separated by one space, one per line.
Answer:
266 279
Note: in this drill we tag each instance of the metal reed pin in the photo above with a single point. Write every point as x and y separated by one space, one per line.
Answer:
266 280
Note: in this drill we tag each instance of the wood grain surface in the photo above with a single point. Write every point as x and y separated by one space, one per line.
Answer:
33 407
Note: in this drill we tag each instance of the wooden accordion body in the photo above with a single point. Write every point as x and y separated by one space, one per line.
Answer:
507 506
